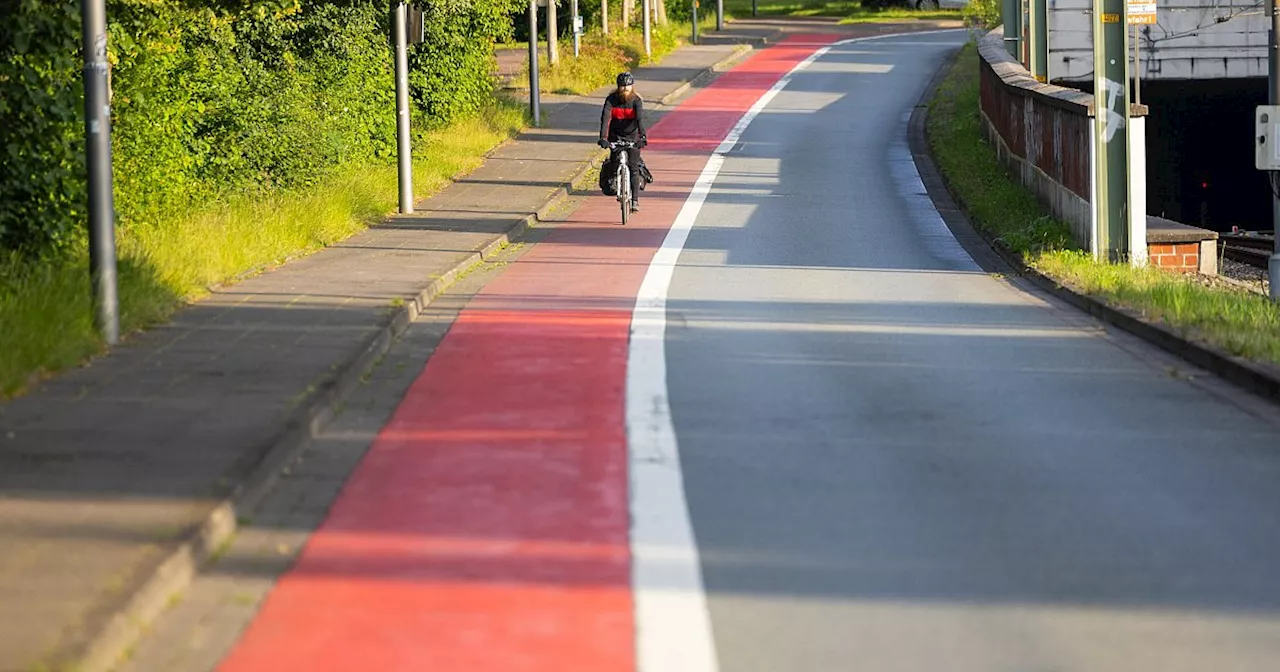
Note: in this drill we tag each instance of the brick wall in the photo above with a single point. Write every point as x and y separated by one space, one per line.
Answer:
1184 257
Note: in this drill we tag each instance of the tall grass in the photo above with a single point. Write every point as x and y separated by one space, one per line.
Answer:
1242 323
45 311
600 58
850 11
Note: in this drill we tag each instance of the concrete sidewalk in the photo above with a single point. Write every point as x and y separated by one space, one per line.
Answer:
118 479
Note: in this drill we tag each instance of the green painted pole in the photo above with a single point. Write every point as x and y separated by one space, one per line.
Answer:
1011 18
1111 129
1040 40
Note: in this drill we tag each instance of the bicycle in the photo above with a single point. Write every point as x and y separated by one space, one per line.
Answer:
623 176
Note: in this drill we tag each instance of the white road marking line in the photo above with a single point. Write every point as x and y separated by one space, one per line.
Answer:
673 626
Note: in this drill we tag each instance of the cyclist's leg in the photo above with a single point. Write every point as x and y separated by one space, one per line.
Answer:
633 162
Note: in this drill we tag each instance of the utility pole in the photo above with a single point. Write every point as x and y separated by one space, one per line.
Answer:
719 14
400 39
645 5
533 64
97 127
1011 17
604 16
1039 19
1273 98
1111 130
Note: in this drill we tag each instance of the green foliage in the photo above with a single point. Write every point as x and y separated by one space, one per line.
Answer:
984 12
45 304
215 99
42 189
450 70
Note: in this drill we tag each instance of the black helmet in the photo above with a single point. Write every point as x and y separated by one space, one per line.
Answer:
625 79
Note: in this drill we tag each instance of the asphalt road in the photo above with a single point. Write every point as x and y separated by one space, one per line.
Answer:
896 461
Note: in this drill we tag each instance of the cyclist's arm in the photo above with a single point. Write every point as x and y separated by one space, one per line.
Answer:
606 116
644 136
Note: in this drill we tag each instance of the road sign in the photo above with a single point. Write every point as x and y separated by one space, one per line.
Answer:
1141 13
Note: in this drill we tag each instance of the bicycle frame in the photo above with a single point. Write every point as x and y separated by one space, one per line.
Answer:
623 176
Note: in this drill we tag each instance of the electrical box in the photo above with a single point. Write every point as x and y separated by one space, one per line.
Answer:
1267 136
416 25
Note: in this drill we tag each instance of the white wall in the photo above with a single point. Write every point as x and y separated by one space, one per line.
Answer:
1192 39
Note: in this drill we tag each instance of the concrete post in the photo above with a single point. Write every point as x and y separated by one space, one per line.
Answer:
647 13
534 94
553 35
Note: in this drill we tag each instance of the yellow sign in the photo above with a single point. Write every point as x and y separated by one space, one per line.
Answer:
1111 18
1135 19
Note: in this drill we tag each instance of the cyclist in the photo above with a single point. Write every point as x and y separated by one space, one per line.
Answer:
623 119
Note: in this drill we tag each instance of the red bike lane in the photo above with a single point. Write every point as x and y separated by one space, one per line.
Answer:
487 527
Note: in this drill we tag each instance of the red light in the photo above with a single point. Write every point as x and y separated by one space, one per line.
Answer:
1204 185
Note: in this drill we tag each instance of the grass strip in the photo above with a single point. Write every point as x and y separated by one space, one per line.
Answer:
1240 322
45 306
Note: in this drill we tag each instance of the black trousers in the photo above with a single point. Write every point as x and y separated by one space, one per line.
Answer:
633 167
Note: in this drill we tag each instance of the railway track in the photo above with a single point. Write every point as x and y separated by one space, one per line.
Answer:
1253 249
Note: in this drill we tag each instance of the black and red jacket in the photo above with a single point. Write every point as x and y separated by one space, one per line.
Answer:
622 119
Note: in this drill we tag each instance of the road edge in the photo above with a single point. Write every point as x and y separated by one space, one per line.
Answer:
1253 377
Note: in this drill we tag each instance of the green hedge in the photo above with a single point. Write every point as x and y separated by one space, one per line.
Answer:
213 98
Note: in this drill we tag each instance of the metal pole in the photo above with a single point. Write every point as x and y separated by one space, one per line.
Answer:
1039 18
604 16
1024 30
695 21
553 36
1111 126
1137 64
400 39
1012 20
645 6
573 9
1273 97
97 127
754 8
534 94
719 14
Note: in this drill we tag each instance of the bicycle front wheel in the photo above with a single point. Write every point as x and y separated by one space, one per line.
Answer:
624 193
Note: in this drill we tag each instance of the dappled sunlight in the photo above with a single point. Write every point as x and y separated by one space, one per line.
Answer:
872 328
829 66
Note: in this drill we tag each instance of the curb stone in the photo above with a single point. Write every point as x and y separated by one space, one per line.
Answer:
1257 378
150 595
